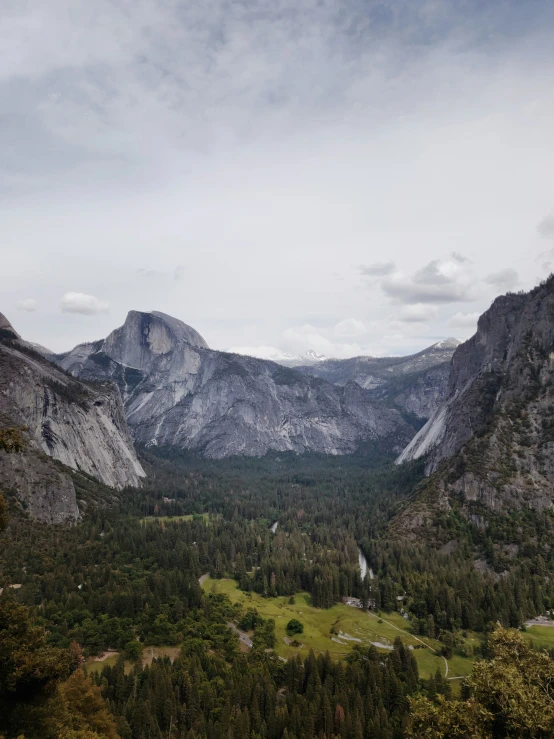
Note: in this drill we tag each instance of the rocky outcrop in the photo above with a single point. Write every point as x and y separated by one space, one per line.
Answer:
178 392
62 419
415 385
491 442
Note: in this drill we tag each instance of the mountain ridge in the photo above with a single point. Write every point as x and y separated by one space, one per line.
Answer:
178 392
415 385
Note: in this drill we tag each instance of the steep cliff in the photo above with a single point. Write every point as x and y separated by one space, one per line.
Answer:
57 418
178 392
491 442
415 384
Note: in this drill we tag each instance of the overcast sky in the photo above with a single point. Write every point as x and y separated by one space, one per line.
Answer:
345 176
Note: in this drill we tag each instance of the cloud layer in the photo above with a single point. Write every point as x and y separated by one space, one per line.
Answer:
234 164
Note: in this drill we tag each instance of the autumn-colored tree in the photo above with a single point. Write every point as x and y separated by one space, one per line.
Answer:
84 708
37 700
511 695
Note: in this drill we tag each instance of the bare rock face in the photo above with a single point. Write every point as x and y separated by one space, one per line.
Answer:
63 419
177 392
491 442
45 493
416 384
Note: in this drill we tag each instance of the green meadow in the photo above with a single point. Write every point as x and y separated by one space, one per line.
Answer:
337 629
174 519
541 636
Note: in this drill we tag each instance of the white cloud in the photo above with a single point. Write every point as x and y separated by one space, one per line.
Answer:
261 352
349 327
463 320
297 340
417 313
29 305
179 272
86 305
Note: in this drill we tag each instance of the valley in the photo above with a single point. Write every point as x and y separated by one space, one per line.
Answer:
212 564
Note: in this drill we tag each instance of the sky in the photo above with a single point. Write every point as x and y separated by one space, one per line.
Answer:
339 176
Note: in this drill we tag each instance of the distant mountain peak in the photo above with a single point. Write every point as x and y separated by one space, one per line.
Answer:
314 356
450 343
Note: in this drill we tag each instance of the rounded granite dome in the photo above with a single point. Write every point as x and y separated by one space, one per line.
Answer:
181 330
146 336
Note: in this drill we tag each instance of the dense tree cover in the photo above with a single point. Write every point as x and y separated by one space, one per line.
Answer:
114 578
202 695
508 695
118 580
43 693
39 694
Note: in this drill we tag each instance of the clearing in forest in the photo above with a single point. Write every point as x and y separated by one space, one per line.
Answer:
336 630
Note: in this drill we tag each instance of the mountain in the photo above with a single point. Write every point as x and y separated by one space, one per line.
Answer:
490 444
48 418
415 385
308 358
178 392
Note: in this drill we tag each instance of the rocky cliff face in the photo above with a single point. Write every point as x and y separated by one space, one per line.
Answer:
58 418
178 392
416 384
491 442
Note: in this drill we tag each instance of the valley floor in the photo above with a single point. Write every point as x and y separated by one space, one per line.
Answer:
336 630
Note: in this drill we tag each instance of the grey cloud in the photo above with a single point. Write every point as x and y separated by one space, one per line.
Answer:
418 313
546 227
92 87
505 279
29 305
463 320
179 273
378 269
436 282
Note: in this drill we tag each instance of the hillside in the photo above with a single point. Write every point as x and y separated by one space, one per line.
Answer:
415 385
490 445
51 424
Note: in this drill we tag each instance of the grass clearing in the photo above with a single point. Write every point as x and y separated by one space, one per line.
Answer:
541 636
175 519
350 621
93 665
149 654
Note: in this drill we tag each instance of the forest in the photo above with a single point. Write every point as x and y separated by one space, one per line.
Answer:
128 577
